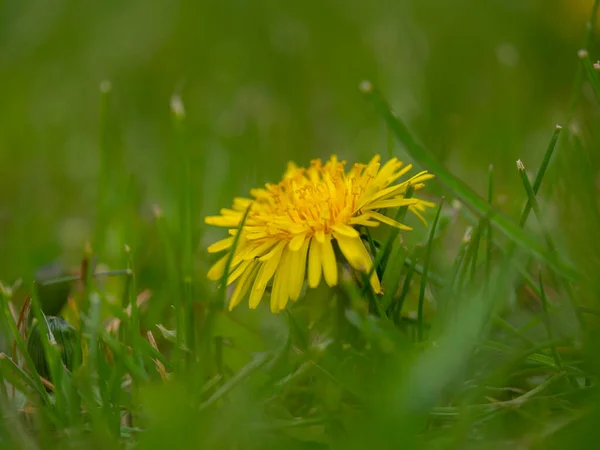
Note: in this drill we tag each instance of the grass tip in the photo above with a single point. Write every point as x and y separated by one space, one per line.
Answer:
157 211
583 53
558 127
177 106
520 165
105 86
467 237
127 249
365 86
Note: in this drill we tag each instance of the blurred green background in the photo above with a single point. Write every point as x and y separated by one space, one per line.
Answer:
263 82
479 82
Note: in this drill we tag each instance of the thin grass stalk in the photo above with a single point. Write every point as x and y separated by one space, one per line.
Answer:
426 264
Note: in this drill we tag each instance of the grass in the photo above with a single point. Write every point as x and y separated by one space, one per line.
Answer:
486 334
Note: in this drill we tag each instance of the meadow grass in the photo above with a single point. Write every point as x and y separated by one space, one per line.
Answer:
485 336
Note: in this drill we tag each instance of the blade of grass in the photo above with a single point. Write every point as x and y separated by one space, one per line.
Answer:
540 173
555 355
394 273
185 218
426 263
587 41
238 378
71 278
52 356
532 201
475 245
18 377
134 320
172 281
592 76
399 304
435 279
14 334
463 191
447 296
488 231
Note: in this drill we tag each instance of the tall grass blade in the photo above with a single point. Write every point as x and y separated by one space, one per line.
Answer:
591 73
185 219
426 264
532 201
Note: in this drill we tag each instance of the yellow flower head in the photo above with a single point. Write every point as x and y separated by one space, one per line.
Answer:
298 220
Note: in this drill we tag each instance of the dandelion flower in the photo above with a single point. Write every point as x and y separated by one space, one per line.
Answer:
292 227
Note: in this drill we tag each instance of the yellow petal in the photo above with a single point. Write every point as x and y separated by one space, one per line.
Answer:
265 273
296 242
354 251
260 249
427 204
242 287
418 214
330 272
358 257
314 263
345 230
320 236
216 271
274 251
234 275
421 177
363 220
298 270
223 221
391 203
375 283
388 221
221 245
279 293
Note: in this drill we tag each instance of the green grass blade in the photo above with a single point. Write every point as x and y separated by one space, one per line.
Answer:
475 245
463 191
434 278
185 219
52 355
544 299
592 76
489 236
13 333
399 304
426 263
394 274
238 378
532 201
540 173
173 283
16 376
576 92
